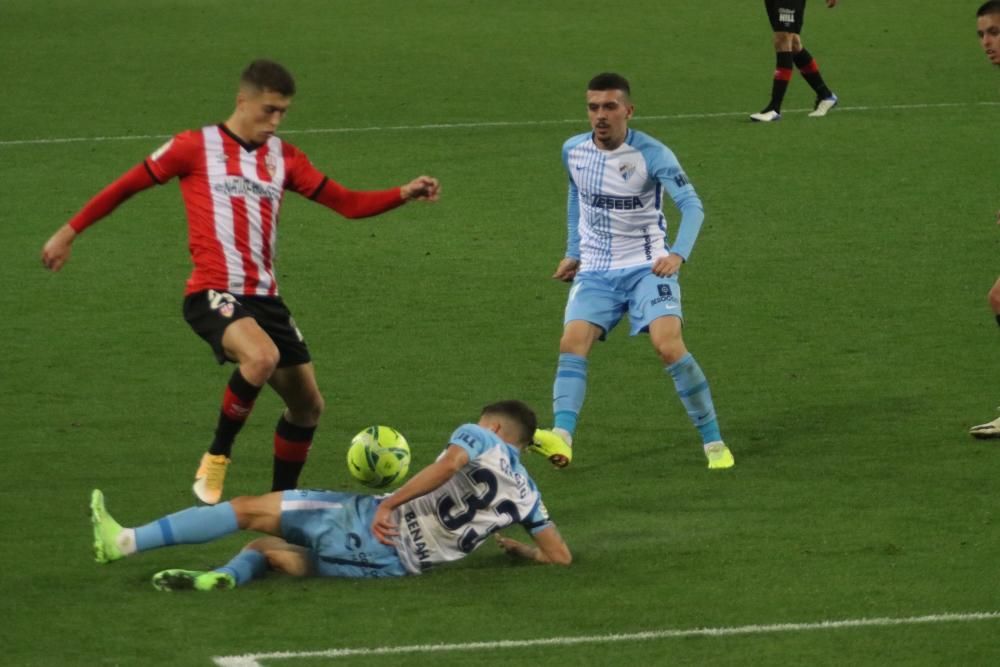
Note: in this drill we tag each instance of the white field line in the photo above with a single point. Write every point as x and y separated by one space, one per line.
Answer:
253 660
489 124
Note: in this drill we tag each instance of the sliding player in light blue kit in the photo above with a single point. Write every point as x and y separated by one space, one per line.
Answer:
620 261
476 487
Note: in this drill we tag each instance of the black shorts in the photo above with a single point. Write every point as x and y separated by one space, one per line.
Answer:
786 15
211 311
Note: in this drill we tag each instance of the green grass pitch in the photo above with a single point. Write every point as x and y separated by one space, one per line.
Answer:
836 299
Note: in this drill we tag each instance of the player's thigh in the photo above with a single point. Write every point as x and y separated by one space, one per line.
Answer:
276 320
298 389
595 299
245 341
579 336
652 297
666 335
211 313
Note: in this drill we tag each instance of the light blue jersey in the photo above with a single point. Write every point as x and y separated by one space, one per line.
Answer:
336 528
615 207
492 491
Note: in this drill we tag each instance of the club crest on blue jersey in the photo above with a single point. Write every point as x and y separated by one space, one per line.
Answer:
626 169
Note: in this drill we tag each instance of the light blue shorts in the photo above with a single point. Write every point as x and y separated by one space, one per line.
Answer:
603 298
336 528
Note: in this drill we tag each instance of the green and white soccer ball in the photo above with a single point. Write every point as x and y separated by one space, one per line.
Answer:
378 457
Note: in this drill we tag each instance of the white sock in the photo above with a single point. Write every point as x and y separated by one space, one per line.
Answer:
126 541
564 434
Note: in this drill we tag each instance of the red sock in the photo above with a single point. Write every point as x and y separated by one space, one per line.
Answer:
291 448
237 402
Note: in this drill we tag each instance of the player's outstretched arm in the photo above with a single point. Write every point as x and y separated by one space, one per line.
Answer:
425 481
57 249
549 547
421 188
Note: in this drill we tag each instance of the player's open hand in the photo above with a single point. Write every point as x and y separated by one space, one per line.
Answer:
425 188
57 249
383 526
668 266
508 545
831 3
567 269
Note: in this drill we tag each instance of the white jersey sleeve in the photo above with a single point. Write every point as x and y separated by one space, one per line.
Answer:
492 491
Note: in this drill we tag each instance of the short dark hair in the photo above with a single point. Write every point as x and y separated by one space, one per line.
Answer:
610 81
518 412
268 75
989 7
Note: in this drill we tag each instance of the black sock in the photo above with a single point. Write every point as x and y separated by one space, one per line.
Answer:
291 447
237 402
810 72
998 318
782 75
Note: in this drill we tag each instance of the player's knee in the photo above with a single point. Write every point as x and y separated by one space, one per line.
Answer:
251 513
570 345
671 350
242 507
306 412
796 43
312 410
783 41
577 341
262 544
258 365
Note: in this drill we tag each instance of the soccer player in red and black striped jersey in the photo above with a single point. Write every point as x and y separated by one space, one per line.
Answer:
233 177
786 18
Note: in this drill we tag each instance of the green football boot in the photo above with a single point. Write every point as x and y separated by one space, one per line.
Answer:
552 446
106 530
719 456
193 580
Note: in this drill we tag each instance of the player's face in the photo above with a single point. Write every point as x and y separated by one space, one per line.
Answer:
609 112
261 112
988 29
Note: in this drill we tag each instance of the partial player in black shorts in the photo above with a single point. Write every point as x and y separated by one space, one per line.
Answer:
786 17
211 311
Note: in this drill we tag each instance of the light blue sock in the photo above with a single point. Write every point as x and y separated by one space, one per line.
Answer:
191 526
692 388
247 565
569 390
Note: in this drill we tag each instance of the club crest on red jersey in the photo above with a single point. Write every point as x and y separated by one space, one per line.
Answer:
271 164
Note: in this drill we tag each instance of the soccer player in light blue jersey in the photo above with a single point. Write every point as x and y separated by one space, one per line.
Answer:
475 488
620 261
